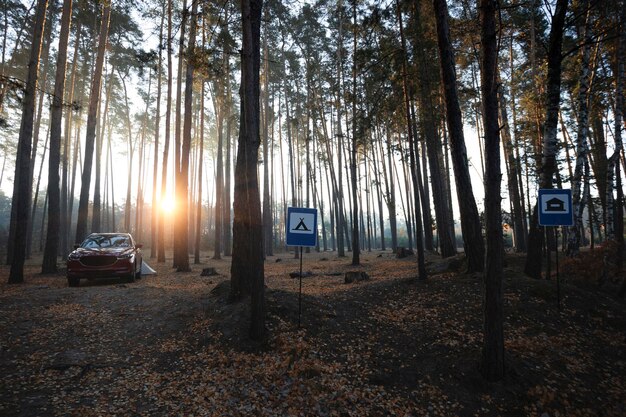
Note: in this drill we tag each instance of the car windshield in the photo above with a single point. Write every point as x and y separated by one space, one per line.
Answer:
106 241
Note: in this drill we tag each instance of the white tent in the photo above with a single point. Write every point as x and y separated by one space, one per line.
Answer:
146 270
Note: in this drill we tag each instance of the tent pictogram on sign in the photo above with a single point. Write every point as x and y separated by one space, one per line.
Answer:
301 226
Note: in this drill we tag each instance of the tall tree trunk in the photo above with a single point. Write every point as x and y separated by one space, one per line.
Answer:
103 111
75 167
379 191
154 209
141 169
196 258
219 177
198 234
31 224
227 193
94 99
181 196
356 250
422 180
391 197
131 154
166 145
37 129
618 226
470 223
182 185
419 238
493 339
226 215
548 161
267 204
247 274
581 134
445 230
512 176
22 189
49 264
340 220
67 140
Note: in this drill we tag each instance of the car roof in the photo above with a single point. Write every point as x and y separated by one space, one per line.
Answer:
109 234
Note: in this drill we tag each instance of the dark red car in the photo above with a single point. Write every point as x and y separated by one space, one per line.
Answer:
105 255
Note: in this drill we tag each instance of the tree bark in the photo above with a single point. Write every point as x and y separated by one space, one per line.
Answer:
94 99
64 222
49 264
493 339
619 146
179 194
226 215
574 232
512 176
470 222
198 234
548 161
22 188
267 203
182 184
391 196
419 235
445 233
103 112
219 177
166 145
247 270
154 209
340 219
356 250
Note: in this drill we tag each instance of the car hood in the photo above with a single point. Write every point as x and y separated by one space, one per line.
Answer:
102 251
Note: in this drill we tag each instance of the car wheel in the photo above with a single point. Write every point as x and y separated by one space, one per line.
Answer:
131 277
138 273
73 282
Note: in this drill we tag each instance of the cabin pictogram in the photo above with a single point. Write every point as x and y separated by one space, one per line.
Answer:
301 226
555 204
556 207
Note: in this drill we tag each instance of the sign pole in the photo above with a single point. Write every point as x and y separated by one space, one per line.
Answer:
301 231
555 209
300 291
558 282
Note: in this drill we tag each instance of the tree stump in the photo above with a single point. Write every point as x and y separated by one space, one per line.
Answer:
208 272
403 252
304 274
355 276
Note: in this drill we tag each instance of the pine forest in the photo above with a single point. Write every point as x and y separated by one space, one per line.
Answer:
336 207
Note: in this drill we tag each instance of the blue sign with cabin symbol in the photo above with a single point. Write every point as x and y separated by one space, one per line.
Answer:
555 207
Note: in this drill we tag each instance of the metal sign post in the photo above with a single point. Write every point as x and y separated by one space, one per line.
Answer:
555 209
301 231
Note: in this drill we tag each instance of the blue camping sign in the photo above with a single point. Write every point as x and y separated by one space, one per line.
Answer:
301 226
555 207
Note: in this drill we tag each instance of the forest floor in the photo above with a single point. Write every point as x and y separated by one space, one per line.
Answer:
171 345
